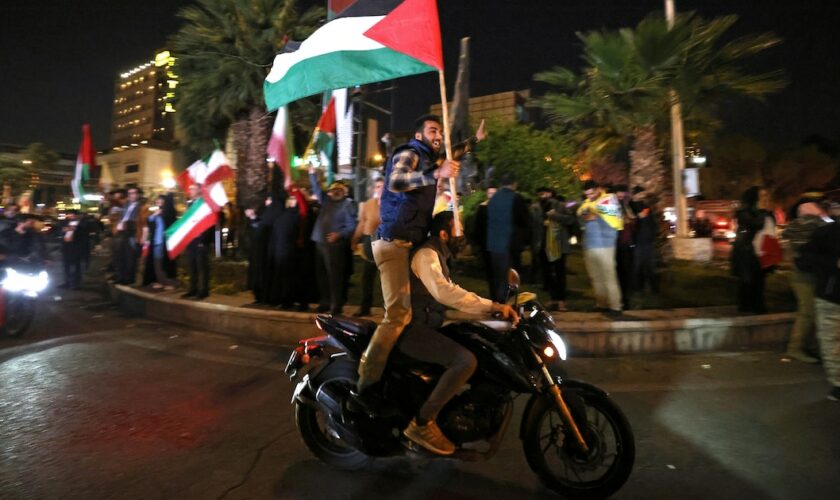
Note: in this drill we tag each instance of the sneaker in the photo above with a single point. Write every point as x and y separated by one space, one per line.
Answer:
429 436
834 393
801 356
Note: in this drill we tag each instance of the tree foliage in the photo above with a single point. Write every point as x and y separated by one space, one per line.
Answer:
535 157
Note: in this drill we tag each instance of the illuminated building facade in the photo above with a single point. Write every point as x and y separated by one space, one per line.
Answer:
143 108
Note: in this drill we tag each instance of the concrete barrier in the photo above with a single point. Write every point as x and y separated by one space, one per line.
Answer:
681 331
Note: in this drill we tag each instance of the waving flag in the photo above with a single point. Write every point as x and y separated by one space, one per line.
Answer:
320 149
280 144
85 162
608 208
202 213
350 51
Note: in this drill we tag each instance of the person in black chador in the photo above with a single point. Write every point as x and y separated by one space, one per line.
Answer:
746 265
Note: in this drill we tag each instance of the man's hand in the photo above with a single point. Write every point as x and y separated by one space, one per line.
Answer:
449 168
481 133
506 312
333 237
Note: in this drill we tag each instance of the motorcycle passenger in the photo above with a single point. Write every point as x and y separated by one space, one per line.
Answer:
432 291
21 242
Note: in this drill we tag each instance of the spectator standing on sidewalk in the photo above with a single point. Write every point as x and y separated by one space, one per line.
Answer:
806 216
646 236
555 247
160 270
72 249
821 257
331 234
506 213
480 233
625 246
601 218
746 265
365 229
130 235
198 255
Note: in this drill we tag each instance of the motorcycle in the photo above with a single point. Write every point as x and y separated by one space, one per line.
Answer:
575 438
19 290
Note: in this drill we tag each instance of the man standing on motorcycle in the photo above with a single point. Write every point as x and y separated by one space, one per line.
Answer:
411 175
432 291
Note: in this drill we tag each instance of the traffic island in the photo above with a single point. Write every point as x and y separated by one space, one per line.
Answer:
587 333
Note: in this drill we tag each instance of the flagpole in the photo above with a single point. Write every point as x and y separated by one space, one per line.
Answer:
453 183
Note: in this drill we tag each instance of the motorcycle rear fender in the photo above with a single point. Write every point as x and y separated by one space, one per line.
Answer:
565 384
304 392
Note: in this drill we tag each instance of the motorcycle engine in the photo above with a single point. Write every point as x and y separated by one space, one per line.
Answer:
475 414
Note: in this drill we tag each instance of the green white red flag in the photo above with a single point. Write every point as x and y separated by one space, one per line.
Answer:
320 149
201 215
350 51
279 149
85 162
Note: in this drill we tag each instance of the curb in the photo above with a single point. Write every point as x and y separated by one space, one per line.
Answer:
585 337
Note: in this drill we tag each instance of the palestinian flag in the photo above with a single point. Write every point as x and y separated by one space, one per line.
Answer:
202 213
350 51
320 149
280 145
85 162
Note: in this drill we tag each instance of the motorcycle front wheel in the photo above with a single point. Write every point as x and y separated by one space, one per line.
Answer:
20 311
314 428
554 455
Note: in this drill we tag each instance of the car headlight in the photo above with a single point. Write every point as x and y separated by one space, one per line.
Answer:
559 345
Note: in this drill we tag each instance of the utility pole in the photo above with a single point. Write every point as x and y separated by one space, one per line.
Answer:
677 144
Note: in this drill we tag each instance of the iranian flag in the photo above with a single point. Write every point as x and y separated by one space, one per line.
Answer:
280 144
320 148
201 215
356 50
85 162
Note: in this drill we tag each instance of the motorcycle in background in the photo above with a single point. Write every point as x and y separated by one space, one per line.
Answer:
19 289
575 438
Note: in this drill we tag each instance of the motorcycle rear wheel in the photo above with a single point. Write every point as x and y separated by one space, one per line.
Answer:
556 458
20 311
314 428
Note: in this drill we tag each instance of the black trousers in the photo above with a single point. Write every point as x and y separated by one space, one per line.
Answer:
751 292
332 268
199 265
554 276
128 253
644 268
72 270
422 342
624 271
500 263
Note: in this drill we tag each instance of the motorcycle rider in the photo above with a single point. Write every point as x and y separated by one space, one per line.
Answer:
20 241
411 175
432 291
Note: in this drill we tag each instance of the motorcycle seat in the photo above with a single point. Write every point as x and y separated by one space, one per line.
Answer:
359 327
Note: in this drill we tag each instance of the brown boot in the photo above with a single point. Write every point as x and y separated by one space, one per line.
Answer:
429 436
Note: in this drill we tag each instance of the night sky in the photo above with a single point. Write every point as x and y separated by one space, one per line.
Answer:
59 59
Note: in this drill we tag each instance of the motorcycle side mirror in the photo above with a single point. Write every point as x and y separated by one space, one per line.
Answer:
513 284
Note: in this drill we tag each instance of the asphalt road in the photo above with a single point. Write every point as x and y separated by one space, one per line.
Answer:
97 405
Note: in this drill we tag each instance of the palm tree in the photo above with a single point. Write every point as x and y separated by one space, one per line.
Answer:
622 96
224 51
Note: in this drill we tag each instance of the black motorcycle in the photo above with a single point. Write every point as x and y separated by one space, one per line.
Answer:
576 439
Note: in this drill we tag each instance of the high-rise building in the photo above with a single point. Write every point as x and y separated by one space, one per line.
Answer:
143 108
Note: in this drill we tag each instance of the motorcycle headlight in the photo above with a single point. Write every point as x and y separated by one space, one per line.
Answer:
557 342
27 283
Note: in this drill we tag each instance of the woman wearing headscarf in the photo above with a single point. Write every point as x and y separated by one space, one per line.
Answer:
751 217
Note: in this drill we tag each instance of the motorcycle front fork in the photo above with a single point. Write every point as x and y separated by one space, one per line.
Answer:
565 412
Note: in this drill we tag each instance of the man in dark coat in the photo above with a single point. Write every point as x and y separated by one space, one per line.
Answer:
198 255
74 242
506 212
